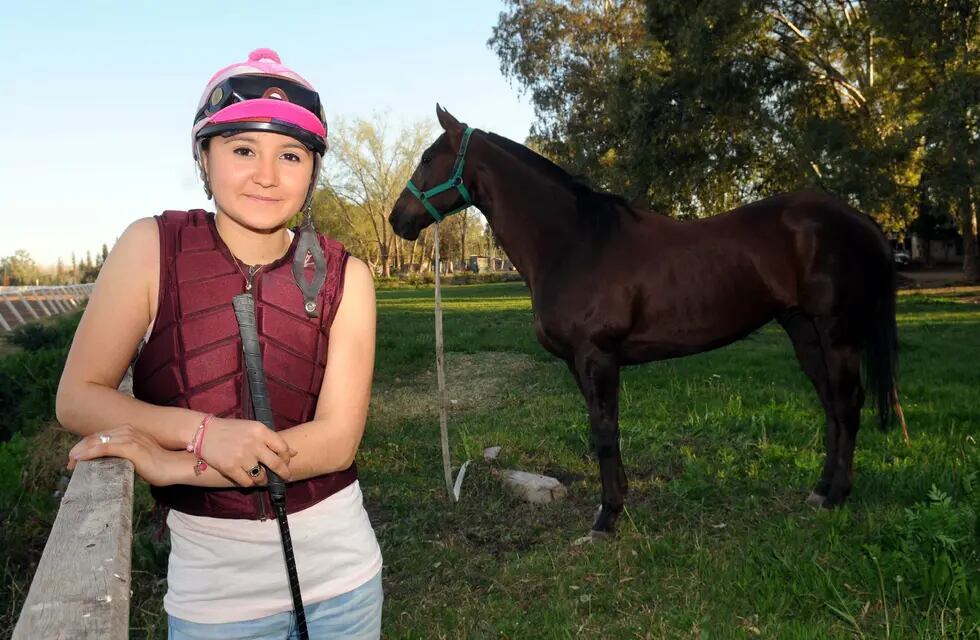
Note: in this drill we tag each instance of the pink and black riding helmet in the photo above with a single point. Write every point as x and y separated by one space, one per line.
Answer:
262 94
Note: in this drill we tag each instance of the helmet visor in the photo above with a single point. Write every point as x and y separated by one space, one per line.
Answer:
262 97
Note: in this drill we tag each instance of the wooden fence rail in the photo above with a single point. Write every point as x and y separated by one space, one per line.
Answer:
81 588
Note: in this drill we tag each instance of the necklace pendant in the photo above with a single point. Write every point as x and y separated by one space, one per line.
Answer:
248 286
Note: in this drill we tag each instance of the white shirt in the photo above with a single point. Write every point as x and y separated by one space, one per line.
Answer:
227 570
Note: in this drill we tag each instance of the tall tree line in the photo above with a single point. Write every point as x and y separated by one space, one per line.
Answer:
693 106
20 269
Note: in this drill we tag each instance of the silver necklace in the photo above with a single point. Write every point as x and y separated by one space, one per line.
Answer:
252 270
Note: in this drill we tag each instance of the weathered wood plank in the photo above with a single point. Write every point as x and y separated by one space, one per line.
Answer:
81 589
82 585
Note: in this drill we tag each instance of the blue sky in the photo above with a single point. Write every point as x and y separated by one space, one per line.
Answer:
99 97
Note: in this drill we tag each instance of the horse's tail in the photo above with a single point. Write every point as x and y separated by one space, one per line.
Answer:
881 356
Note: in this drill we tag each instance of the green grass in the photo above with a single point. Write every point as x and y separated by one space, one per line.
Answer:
7 348
721 449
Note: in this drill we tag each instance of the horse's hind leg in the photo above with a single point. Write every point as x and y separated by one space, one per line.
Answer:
835 371
806 342
844 363
597 374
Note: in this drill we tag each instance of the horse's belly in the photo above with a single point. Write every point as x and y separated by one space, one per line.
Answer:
638 352
662 343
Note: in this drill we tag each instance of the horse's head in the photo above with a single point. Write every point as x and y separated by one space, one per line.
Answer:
436 187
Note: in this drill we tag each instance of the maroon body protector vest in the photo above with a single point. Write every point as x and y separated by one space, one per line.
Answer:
193 358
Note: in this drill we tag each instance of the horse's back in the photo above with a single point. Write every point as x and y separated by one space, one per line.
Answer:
810 233
661 288
712 281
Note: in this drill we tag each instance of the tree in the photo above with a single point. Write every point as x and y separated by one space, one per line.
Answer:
19 269
566 55
940 42
693 107
88 271
366 170
103 255
459 236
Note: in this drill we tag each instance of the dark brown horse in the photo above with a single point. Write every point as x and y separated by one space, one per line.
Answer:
612 285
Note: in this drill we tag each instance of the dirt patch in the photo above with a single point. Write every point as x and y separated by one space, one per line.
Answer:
969 294
473 383
931 278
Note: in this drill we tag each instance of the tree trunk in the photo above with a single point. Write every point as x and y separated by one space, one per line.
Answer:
432 257
384 260
971 268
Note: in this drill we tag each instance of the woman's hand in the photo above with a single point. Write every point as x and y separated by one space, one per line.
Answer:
150 460
234 446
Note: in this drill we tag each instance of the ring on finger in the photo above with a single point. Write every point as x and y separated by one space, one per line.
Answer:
104 439
255 471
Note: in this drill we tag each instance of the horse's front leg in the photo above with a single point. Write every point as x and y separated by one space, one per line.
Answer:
597 374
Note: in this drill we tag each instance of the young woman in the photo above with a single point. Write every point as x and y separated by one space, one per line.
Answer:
164 294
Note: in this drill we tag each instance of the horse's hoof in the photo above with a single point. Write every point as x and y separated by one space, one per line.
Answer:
816 500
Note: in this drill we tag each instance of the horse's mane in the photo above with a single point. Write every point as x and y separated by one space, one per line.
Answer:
601 207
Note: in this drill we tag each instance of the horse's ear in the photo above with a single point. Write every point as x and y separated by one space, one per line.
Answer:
448 123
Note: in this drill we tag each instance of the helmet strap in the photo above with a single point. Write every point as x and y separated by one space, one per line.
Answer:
309 244
202 170
204 179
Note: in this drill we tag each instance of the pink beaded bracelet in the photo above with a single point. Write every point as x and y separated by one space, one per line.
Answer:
196 446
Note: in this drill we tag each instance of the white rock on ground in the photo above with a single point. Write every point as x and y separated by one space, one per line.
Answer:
491 453
533 487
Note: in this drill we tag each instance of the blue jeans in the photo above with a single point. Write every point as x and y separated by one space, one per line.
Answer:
355 615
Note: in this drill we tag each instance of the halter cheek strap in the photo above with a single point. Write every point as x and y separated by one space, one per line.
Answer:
455 181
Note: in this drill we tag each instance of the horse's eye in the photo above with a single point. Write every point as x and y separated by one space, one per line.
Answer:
426 159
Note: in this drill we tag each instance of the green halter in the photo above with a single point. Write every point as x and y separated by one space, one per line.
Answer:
455 181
